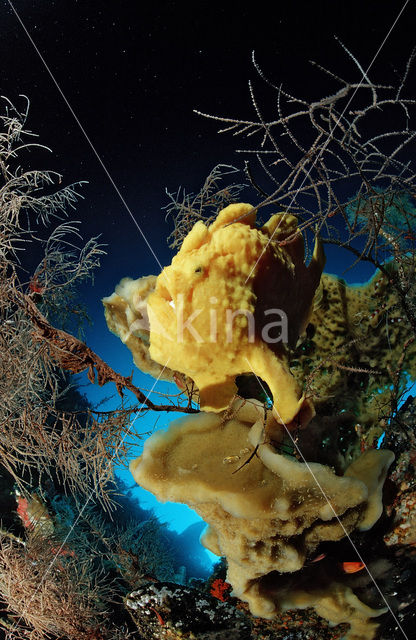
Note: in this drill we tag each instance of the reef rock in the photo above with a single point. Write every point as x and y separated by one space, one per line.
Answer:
168 610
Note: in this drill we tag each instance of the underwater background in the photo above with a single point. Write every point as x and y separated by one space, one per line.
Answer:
113 89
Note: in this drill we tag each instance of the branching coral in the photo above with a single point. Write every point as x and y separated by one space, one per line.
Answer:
65 597
187 208
34 435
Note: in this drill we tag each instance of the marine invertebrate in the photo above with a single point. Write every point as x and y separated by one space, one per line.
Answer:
404 529
219 589
403 508
35 435
187 208
331 600
384 215
266 516
354 343
46 598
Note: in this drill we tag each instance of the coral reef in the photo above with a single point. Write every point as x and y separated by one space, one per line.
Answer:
355 337
267 511
168 610
403 508
61 598
64 570
242 322
265 516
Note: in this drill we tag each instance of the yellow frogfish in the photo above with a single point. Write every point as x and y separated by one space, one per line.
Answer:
233 301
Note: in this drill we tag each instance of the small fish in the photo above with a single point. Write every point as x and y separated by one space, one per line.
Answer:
352 567
159 617
320 557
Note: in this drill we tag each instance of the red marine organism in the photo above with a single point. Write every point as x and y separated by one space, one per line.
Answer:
219 589
35 286
22 505
352 567
159 617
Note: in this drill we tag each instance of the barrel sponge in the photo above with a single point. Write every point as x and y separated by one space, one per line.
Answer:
125 311
263 516
213 311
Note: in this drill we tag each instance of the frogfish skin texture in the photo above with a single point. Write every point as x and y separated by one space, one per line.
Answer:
234 299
